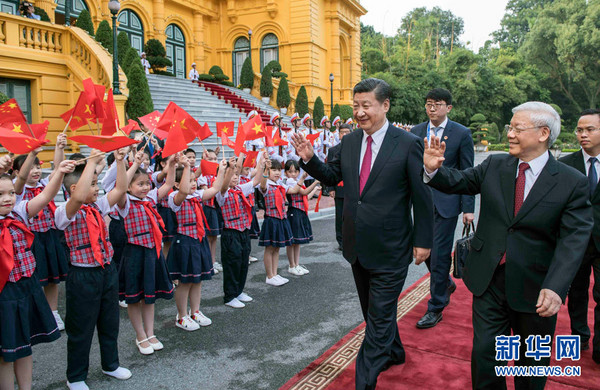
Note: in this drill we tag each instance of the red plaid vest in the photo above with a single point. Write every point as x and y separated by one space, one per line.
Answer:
137 225
271 202
24 262
78 240
44 221
244 180
237 218
297 201
210 179
186 219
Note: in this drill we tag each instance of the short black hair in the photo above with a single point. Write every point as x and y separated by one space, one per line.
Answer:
189 150
345 126
110 158
20 160
439 94
276 164
73 177
178 174
77 156
291 163
382 90
590 111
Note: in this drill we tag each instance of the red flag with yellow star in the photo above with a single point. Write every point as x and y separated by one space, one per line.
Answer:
19 143
226 141
278 141
176 115
255 128
150 122
131 125
225 127
103 143
251 157
312 137
204 132
40 130
10 112
94 94
175 140
208 168
240 138
110 124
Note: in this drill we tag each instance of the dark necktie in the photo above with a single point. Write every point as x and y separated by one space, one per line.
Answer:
365 168
519 194
592 175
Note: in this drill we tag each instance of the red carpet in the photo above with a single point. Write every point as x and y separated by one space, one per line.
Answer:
436 358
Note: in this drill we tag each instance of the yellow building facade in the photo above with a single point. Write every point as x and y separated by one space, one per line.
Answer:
310 38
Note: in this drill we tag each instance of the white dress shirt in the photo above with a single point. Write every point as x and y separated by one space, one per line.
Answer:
531 175
586 163
440 129
378 137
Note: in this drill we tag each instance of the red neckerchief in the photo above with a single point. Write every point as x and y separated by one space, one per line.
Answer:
7 250
247 206
304 199
38 190
279 199
155 220
200 217
93 220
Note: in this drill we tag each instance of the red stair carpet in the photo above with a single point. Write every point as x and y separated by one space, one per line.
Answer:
436 358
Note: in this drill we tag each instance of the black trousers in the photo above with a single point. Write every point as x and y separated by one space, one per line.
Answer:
579 298
235 254
440 260
339 210
493 317
92 302
378 292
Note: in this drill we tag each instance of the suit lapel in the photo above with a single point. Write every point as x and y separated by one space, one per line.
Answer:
544 183
387 146
447 131
507 185
578 162
355 153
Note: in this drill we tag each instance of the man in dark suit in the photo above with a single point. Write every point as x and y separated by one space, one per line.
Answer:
337 191
459 154
530 239
381 168
587 161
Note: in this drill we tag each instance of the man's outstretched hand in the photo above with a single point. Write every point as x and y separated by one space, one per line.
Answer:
433 156
303 147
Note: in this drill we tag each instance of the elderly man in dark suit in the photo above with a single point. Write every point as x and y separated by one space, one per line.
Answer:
587 161
534 225
381 168
459 154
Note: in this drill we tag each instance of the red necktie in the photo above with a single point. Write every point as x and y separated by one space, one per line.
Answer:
200 217
247 205
305 200
365 168
155 220
38 190
93 220
279 197
7 254
519 195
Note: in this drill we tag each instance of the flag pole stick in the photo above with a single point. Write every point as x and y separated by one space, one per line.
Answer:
149 137
98 126
67 126
87 158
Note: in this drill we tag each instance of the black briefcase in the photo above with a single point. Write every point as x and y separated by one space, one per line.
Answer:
461 250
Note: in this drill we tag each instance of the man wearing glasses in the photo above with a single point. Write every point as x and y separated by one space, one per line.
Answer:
534 225
587 162
459 154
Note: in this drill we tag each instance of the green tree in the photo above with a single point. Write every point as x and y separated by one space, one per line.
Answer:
131 57
266 82
564 42
434 29
247 78
123 46
41 13
336 111
374 61
346 112
283 94
275 67
302 102
104 35
84 21
318 110
157 57
3 98
517 21
139 102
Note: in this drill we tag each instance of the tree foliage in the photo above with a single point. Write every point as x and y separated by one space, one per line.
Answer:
139 102
3 98
131 57
346 112
517 21
247 77
84 21
302 102
318 110
283 94
41 13
123 46
336 111
266 82
156 55
104 35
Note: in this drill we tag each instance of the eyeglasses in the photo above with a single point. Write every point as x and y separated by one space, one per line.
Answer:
589 130
519 131
437 106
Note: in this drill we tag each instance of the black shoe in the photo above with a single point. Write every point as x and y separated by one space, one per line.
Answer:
391 363
585 345
340 248
429 320
451 288
596 357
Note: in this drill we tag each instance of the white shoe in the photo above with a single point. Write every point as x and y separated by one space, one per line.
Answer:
304 269
77 385
282 279
157 346
218 266
59 321
253 259
122 304
144 350
235 303
186 323
243 297
215 270
295 271
120 373
275 281
201 319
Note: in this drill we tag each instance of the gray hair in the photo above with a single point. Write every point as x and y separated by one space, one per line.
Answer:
543 115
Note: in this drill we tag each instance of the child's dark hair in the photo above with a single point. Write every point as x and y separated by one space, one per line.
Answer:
5 176
20 160
157 160
178 174
137 174
211 151
77 156
275 164
73 177
189 150
291 163
110 159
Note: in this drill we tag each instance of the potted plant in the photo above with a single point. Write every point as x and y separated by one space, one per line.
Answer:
247 78
283 96
266 84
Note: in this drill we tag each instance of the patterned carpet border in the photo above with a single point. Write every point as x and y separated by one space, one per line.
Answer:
333 365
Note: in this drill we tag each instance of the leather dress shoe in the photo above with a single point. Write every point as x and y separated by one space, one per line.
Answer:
596 357
429 320
451 288
585 345
391 363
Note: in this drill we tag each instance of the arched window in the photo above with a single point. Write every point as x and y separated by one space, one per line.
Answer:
76 7
10 7
132 25
175 46
269 50
241 50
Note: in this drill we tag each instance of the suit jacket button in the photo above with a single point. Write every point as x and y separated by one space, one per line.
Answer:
359 202
511 230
